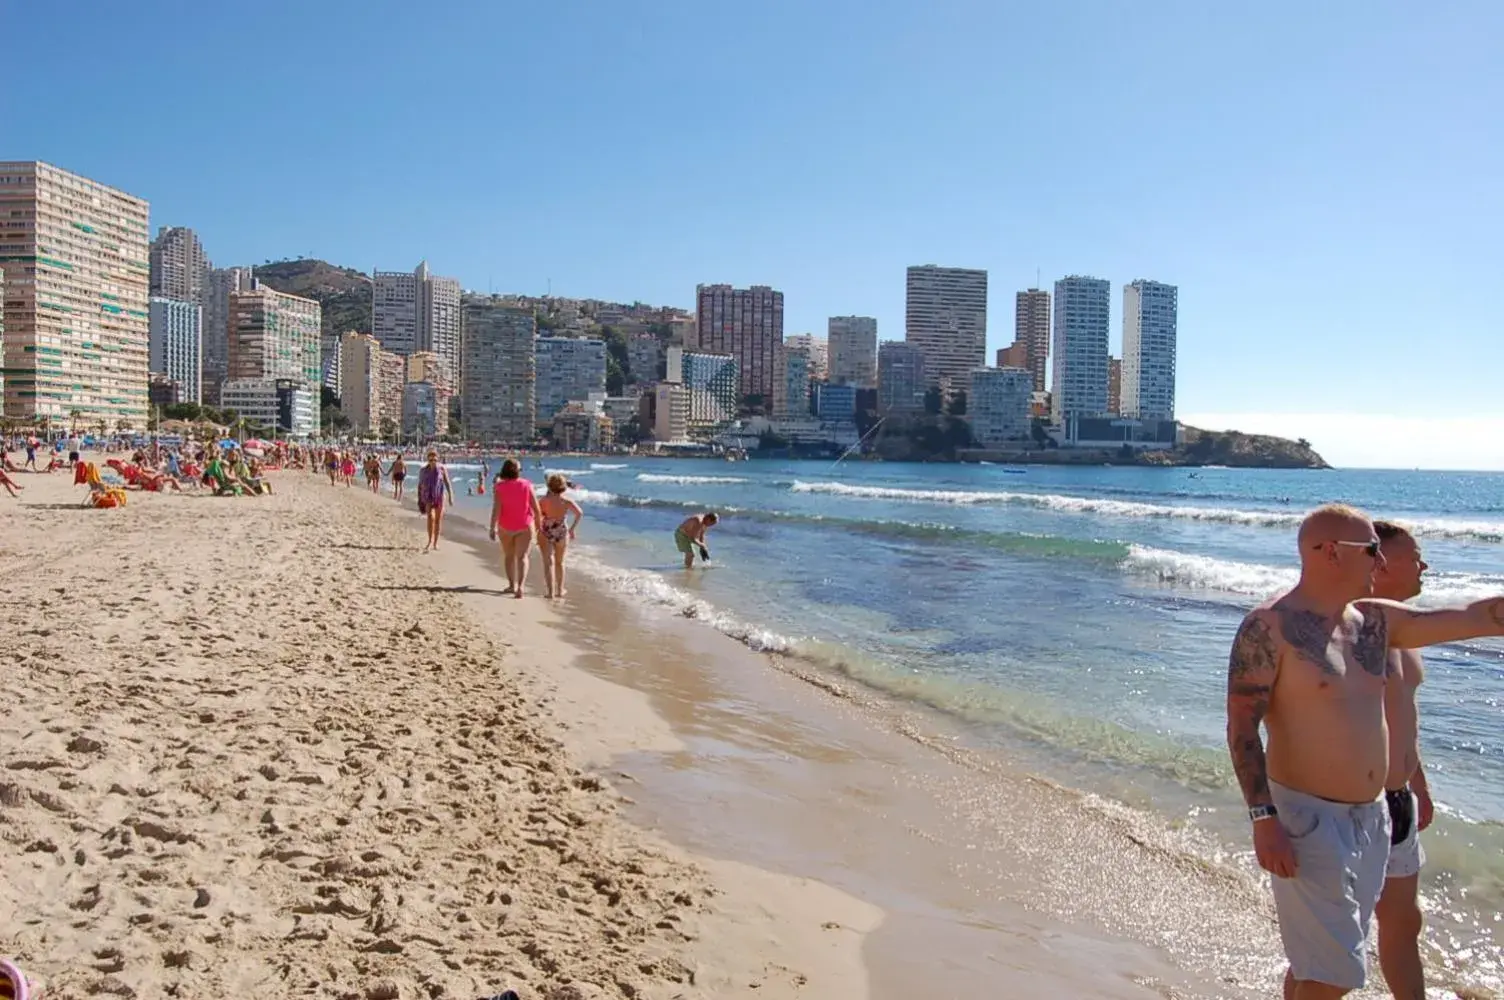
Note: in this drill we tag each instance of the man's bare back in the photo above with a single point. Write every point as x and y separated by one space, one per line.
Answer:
1325 708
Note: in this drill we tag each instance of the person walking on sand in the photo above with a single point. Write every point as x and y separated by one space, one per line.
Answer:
514 514
398 472
347 468
1406 792
331 466
373 473
690 535
554 535
1311 665
433 489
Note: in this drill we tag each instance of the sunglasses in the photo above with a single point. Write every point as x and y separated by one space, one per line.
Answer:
1371 548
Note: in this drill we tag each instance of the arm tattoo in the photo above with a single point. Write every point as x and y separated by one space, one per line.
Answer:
1309 634
1250 683
1371 645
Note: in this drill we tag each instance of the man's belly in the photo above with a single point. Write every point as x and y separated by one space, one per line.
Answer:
1334 758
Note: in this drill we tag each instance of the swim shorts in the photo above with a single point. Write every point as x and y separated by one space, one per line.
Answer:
682 542
1341 854
1405 853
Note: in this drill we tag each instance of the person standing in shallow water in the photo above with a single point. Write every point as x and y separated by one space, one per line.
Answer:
434 489
690 535
514 515
554 535
398 472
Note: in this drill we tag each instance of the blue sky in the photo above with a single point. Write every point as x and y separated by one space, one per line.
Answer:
1323 181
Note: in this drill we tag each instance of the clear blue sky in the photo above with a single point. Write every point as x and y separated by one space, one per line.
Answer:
1325 182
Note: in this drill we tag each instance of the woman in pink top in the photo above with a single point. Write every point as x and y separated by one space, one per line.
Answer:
515 515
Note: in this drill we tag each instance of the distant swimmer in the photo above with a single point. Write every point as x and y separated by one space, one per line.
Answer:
691 535
1312 666
1406 791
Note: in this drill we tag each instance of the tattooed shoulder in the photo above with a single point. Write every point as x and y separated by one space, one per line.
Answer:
1255 653
1371 643
1309 634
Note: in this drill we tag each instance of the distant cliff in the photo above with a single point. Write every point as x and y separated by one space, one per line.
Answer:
1241 451
344 293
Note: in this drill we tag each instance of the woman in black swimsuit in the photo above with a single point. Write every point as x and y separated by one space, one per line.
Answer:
554 535
398 472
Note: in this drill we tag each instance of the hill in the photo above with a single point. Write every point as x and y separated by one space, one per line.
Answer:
343 292
1245 451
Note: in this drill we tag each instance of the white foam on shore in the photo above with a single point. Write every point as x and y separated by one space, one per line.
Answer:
1485 531
606 466
649 477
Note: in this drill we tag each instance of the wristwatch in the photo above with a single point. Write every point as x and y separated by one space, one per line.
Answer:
1257 813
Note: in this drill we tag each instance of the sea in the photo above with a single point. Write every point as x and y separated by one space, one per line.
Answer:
1076 620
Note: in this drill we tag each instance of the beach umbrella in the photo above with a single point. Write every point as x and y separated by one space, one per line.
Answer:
229 443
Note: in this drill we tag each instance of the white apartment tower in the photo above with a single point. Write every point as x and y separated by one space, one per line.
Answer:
417 311
945 317
179 266
1150 311
853 351
176 345
1079 383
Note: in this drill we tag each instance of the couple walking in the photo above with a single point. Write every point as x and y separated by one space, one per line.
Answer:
517 516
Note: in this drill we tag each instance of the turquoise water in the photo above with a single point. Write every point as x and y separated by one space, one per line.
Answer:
1077 617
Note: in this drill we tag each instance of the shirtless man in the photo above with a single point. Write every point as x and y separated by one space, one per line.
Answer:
1310 665
691 535
1405 790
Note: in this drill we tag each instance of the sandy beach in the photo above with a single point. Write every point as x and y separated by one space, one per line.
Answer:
262 746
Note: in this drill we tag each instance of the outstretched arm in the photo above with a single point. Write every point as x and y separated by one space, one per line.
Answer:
1411 627
1251 670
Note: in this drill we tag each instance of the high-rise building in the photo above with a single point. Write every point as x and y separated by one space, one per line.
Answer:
712 382
417 311
289 405
644 356
998 406
835 403
426 366
900 378
1079 383
853 351
179 266
218 285
1114 385
498 371
360 381
791 400
422 415
1015 355
670 412
817 349
274 335
1150 320
75 255
746 323
570 369
945 317
176 345
1031 332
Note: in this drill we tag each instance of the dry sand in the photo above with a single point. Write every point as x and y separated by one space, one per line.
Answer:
262 746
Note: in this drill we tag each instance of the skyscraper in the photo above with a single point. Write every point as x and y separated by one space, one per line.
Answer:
1031 332
218 285
1114 386
945 317
791 394
498 371
179 266
853 351
76 260
1079 385
569 369
998 406
176 345
275 336
360 396
900 378
818 350
746 323
417 311
1150 320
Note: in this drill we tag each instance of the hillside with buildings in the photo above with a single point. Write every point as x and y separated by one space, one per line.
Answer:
343 293
1237 450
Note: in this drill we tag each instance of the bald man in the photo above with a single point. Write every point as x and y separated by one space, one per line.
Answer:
1310 665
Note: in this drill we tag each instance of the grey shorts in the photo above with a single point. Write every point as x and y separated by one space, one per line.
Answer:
1406 857
1341 854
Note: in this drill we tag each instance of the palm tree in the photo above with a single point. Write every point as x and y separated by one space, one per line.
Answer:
74 416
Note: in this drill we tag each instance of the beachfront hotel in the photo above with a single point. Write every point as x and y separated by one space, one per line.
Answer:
1150 317
997 406
746 323
853 351
569 369
498 370
218 285
1031 333
712 383
75 257
1079 385
179 266
176 345
275 336
945 317
415 311
900 378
